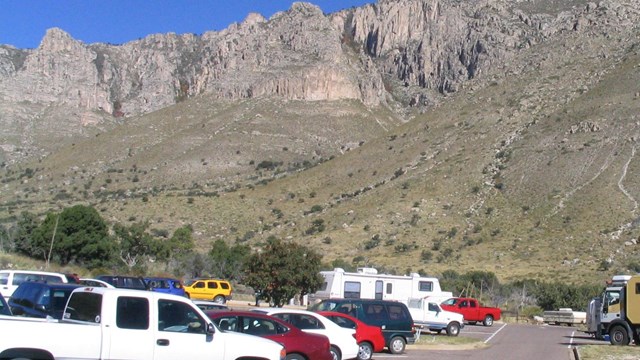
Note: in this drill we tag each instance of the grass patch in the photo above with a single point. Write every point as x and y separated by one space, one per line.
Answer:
609 352
442 339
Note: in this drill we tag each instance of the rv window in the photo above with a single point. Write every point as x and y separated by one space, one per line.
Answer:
425 286
323 287
351 290
389 288
637 288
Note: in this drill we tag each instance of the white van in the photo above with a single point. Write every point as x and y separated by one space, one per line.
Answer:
11 279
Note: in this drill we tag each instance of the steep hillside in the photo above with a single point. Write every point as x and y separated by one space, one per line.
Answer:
512 150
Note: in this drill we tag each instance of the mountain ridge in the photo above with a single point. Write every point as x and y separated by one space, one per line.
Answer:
512 151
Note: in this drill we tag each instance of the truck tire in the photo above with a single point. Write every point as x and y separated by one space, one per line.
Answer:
397 345
488 320
618 335
453 329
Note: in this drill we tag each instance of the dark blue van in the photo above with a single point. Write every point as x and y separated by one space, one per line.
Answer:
165 285
392 316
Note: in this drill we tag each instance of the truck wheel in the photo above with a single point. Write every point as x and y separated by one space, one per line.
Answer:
397 345
618 335
365 352
335 353
219 299
488 320
453 329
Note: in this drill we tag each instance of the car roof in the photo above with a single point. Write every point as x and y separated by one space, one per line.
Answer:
269 310
54 285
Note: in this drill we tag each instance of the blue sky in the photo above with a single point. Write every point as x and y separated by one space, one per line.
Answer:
23 23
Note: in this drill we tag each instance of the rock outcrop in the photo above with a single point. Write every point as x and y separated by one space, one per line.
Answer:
411 49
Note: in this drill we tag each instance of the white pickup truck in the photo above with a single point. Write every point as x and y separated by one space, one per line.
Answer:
428 315
103 323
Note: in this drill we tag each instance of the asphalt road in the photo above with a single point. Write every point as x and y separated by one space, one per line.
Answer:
507 341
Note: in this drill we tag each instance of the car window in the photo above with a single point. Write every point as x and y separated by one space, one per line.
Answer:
51 279
43 298
449 302
258 326
59 299
343 322
176 316
132 313
224 285
4 278
212 285
18 278
84 306
433 307
375 311
229 323
301 321
199 285
397 312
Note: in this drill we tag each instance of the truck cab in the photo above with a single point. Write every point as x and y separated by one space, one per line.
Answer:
428 315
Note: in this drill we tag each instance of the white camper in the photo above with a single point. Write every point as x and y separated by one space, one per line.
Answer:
366 283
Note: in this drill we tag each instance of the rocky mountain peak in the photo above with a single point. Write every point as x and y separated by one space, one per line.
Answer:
57 40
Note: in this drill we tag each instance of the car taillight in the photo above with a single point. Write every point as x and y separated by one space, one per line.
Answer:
413 328
283 354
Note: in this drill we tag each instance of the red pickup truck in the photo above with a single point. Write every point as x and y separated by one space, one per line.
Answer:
472 311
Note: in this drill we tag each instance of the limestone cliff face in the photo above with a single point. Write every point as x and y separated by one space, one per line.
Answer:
412 49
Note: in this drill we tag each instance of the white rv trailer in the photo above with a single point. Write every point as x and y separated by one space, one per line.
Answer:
366 283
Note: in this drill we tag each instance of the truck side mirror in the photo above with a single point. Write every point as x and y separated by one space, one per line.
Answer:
210 329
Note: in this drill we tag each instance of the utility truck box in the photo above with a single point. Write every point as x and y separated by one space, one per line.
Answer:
105 323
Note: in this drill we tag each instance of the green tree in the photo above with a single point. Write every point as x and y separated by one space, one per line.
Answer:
226 261
22 236
282 270
77 234
135 245
5 240
175 250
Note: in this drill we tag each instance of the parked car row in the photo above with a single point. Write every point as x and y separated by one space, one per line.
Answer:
343 328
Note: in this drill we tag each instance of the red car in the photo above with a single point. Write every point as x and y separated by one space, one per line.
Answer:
298 344
369 337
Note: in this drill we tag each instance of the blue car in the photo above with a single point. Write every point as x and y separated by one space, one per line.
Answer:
165 285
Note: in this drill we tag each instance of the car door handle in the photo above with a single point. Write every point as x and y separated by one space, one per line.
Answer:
163 342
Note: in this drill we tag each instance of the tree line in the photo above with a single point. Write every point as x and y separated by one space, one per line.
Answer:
278 269
80 236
